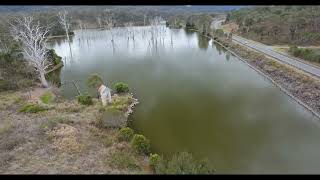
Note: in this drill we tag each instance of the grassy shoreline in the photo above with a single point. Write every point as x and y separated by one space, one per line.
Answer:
62 137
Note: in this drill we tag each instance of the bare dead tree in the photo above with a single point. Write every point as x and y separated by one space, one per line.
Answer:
63 20
171 39
155 30
130 31
99 21
127 31
80 24
34 43
109 23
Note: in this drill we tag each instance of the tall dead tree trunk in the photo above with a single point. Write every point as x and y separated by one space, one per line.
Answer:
34 44
63 20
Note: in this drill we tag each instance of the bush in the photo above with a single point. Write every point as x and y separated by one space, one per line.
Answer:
94 81
304 53
183 163
140 144
125 134
121 87
32 108
154 160
124 160
52 122
219 32
119 104
107 119
6 85
47 97
53 57
107 142
71 33
15 71
85 100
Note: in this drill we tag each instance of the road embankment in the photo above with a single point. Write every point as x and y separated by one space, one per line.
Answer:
301 86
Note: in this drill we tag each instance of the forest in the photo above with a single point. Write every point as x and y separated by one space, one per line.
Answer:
294 25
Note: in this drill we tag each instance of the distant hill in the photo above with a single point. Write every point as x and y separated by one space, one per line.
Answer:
14 8
170 9
197 8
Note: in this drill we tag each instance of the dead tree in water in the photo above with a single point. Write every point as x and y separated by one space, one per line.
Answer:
156 30
109 23
34 44
63 20
99 22
130 31
144 19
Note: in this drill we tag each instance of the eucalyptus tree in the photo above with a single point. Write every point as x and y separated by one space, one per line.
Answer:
33 38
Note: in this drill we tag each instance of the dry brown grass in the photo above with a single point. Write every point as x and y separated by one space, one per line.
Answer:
65 138
62 140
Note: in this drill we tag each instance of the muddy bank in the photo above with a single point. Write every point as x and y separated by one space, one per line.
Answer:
302 86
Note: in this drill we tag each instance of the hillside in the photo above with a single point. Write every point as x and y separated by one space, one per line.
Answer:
291 25
154 8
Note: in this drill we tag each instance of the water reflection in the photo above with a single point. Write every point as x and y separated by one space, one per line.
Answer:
194 100
203 42
189 33
227 56
218 48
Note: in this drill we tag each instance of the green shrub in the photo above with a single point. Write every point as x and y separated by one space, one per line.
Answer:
32 108
123 160
47 97
85 99
154 160
94 80
305 53
5 85
119 104
71 33
24 83
125 134
109 119
121 87
53 57
140 144
107 141
183 163
52 122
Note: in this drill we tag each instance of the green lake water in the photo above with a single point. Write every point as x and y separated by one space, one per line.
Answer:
196 97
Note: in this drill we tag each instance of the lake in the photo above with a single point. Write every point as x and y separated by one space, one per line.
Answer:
194 96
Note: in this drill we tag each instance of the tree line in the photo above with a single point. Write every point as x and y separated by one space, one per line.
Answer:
294 25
